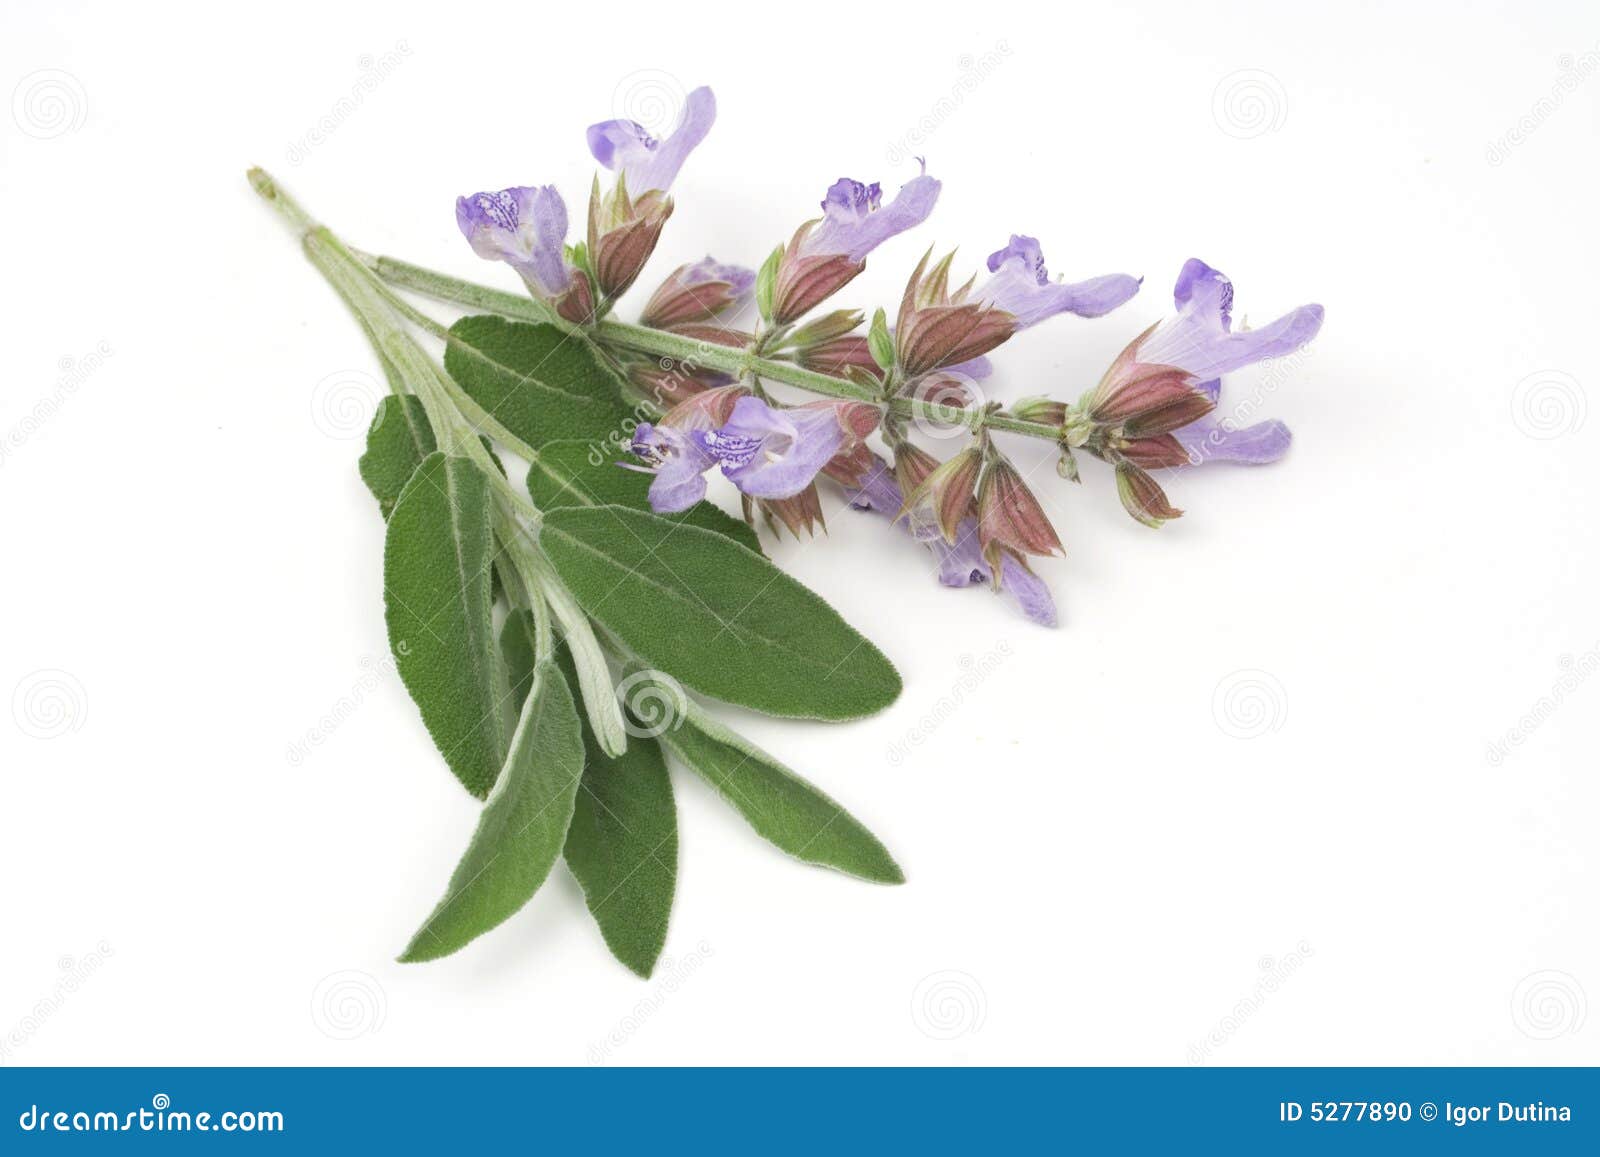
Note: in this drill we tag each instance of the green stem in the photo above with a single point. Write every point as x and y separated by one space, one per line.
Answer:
405 362
730 360
477 417
443 287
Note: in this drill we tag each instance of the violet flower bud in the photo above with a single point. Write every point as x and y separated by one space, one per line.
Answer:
622 234
698 293
840 356
945 497
939 329
1142 496
1010 517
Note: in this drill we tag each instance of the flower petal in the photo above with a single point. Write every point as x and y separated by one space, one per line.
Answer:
1030 591
856 230
1199 339
770 453
646 163
1210 440
1022 287
524 226
1205 294
679 464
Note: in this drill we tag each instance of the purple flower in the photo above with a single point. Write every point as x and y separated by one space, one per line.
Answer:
524 226
1200 340
679 464
855 221
1022 287
961 563
770 453
642 161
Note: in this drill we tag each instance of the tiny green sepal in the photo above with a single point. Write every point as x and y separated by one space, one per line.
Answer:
765 280
879 342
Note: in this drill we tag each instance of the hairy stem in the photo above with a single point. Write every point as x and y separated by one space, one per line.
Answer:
443 287
740 363
405 363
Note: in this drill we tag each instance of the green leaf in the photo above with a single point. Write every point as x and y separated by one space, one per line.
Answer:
521 829
437 557
537 381
716 616
397 442
399 438
572 473
623 844
781 806
519 645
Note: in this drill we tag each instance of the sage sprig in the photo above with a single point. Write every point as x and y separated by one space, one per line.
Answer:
553 617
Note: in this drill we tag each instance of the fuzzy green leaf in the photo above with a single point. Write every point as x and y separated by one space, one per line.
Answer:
572 473
437 557
397 442
519 645
522 827
623 842
719 618
782 807
539 382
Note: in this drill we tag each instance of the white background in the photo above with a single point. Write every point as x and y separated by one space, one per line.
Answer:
1239 808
